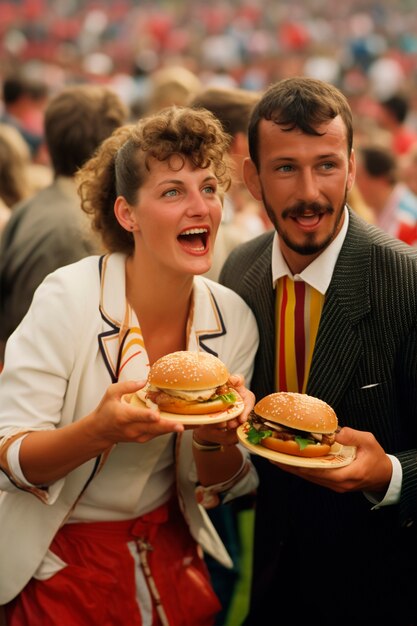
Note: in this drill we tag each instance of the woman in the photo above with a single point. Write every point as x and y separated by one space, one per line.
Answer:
91 528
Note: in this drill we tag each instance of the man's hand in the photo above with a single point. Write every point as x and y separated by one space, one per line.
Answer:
370 471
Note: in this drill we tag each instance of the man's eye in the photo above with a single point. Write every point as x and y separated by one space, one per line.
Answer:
209 189
327 166
285 168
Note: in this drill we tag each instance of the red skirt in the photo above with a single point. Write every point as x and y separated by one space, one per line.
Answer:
98 588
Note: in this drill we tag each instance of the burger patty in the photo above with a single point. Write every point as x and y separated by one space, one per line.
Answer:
159 397
289 434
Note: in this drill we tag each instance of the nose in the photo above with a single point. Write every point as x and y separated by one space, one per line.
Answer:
308 188
197 204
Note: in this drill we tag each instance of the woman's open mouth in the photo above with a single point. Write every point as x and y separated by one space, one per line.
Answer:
195 240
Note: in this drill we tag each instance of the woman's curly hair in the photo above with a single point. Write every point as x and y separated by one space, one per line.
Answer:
121 164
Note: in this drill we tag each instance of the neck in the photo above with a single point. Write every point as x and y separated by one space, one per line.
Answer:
162 306
297 262
156 292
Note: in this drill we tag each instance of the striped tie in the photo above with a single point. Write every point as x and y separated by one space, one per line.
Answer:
298 311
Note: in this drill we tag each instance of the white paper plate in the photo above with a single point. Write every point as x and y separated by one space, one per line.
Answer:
191 420
339 455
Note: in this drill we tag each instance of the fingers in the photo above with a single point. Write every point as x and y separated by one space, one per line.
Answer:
121 421
120 389
249 402
144 424
236 380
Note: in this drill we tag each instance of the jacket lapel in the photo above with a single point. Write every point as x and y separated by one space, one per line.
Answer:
338 345
262 302
207 323
112 306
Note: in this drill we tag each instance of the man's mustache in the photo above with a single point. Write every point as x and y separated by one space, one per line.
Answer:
299 209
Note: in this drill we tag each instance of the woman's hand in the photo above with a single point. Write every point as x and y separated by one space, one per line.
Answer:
238 382
47 455
115 420
224 433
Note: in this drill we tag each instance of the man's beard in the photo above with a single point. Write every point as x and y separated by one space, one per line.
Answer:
310 246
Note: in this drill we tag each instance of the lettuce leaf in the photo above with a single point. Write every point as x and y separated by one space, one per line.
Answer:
226 397
255 436
303 442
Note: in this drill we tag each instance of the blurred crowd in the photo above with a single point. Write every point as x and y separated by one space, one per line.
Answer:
218 55
360 44
155 54
221 56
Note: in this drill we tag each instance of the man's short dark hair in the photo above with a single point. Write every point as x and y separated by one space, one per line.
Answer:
16 87
378 162
302 103
397 105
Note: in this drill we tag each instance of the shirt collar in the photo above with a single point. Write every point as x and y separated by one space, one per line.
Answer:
320 271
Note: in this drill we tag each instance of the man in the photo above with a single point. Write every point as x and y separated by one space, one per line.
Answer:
49 230
24 101
393 203
332 546
392 114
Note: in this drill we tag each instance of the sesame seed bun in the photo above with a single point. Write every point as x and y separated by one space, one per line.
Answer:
191 371
300 412
190 383
297 410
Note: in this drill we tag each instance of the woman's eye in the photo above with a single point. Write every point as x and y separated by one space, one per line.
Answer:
170 193
209 189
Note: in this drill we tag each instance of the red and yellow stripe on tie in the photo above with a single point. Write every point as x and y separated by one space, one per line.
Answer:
298 311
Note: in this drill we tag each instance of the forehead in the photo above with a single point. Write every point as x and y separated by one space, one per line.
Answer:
176 167
275 139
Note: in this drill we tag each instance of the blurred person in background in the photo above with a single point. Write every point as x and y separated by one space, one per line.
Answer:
103 516
243 217
394 205
20 177
49 230
392 114
14 173
357 203
24 102
171 85
408 169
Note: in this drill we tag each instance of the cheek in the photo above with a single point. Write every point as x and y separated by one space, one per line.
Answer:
216 213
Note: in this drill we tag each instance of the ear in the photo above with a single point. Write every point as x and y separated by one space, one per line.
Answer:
124 214
351 170
251 178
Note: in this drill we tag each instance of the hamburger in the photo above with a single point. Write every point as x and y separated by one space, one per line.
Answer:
293 423
189 383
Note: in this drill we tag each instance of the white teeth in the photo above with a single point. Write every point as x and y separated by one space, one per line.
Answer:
194 231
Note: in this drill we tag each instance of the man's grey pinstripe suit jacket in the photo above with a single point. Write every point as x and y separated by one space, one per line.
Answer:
365 366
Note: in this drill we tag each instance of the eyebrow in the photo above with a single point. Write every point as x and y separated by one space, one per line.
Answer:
177 181
330 155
